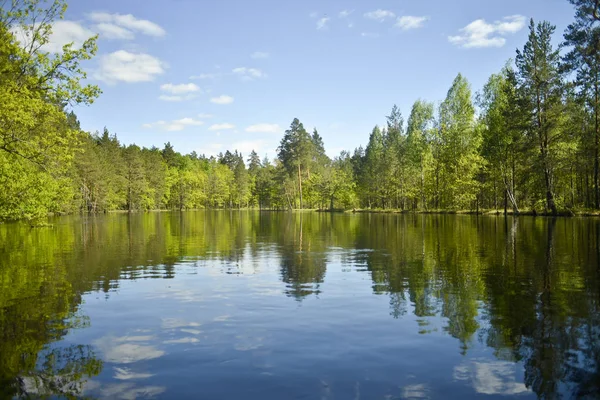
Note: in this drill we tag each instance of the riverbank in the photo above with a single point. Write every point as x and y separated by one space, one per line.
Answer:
532 213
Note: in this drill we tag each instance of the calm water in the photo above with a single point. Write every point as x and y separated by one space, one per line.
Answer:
243 305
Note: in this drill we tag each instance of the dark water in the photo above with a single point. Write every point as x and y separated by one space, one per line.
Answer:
220 305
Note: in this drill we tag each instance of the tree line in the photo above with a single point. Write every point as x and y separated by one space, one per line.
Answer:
528 140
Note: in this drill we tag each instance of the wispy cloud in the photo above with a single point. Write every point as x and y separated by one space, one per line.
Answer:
322 23
205 76
222 100
249 74
177 98
112 31
123 26
175 125
181 88
221 127
407 22
264 128
345 13
205 116
128 67
259 55
380 15
480 34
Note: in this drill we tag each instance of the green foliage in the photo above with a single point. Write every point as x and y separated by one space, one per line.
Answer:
533 143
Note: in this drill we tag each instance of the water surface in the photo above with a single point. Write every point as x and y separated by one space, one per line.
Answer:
232 305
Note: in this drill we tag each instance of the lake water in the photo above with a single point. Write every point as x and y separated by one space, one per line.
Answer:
248 305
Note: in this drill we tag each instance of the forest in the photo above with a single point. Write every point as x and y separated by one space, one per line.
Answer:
528 141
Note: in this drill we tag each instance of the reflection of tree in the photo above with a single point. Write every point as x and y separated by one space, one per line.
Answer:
63 371
303 259
37 307
534 282
526 287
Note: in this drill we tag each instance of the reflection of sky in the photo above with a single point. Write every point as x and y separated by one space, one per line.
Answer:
123 391
491 377
204 326
123 350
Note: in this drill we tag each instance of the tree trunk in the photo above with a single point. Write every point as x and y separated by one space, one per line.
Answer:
423 205
549 195
596 153
300 185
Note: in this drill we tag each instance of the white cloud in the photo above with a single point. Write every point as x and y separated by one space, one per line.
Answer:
171 98
322 23
175 125
345 13
205 76
63 32
264 128
180 88
380 15
181 92
129 67
222 100
369 34
259 54
407 22
249 74
205 116
112 31
511 24
128 22
480 34
221 127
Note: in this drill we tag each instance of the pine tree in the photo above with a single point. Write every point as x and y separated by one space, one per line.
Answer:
541 84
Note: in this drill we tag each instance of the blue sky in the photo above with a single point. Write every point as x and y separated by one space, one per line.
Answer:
215 75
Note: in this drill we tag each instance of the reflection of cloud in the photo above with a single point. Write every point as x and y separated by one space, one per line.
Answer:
134 338
415 392
174 323
120 351
125 374
191 331
182 295
182 340
491 377
222 318
246 343
129 391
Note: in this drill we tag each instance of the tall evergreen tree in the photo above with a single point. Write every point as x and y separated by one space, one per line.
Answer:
295 152
541 84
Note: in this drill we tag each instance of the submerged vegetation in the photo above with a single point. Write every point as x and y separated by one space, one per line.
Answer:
529 140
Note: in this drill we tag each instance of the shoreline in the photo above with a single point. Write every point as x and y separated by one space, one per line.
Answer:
494 213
